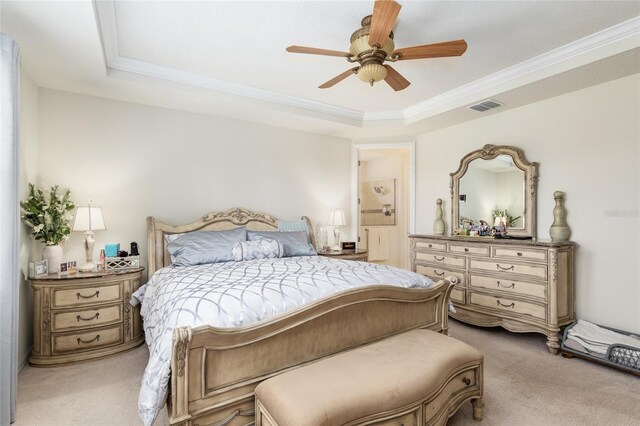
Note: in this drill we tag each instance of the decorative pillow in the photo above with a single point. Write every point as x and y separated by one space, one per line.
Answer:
296 225
257 249
295 243
197 248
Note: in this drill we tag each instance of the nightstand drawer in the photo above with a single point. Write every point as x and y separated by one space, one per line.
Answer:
87 318
86 340
455 261
86 295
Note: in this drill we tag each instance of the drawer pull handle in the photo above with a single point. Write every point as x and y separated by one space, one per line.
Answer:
430 245
79 318
438 274
502 268
439 260
519 253
466 249
78 295
513 285
95 339
512 305
466 381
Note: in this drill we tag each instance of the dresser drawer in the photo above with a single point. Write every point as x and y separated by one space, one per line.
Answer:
520 253
431 245
439 274
454 261
477 250
511 286
80 296
87 318
507 305
459 294
531 270
86 340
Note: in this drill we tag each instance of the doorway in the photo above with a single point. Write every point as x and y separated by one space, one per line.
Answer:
384 201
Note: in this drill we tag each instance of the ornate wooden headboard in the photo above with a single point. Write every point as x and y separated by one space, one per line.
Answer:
215 221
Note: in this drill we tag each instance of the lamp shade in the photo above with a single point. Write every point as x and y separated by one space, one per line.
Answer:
336 218
88 219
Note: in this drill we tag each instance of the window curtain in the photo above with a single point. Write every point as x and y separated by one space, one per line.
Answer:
9 222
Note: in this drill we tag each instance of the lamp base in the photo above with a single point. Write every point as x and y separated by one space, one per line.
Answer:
336 248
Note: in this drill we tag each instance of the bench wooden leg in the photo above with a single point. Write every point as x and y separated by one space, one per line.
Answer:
478 409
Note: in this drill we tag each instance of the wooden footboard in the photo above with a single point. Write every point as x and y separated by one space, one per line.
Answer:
215 371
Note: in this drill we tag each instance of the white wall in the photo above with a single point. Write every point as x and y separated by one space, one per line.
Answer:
28 173
137 161
588 145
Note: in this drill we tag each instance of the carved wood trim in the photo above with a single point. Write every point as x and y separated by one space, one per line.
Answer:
489 152
158 256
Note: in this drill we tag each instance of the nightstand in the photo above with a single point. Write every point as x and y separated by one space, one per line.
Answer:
84 316
357 254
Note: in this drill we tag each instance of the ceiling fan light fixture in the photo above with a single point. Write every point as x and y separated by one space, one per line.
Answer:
361 45
372 73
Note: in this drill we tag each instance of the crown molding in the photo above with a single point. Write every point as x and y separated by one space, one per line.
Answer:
608 42
597 46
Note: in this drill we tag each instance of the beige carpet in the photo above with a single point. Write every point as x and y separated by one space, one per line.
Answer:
524 386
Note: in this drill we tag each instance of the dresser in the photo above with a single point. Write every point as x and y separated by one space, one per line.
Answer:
521 285
84 316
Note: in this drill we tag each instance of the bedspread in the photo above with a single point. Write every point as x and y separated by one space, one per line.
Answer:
234 294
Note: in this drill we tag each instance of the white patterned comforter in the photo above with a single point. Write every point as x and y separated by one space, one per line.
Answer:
233 294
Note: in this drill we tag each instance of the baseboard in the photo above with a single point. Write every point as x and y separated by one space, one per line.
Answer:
24 360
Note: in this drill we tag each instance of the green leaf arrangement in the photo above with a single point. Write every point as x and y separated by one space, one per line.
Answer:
48 214
504 213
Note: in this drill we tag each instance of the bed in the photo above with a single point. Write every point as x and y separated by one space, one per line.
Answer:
214 370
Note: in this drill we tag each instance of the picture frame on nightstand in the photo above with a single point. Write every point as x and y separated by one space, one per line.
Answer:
38 268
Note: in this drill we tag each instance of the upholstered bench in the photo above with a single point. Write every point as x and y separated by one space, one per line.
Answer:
416 378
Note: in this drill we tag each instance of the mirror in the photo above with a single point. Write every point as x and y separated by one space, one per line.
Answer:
495 186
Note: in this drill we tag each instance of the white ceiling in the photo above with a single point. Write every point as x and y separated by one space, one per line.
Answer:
228 58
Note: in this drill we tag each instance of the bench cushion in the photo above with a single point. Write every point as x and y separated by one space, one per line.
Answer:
376 378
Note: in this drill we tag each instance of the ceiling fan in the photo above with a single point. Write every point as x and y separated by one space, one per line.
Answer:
372 46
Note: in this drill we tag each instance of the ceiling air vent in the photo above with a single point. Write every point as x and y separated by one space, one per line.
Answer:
486 105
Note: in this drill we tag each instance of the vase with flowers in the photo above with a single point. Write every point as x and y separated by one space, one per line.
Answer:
48 214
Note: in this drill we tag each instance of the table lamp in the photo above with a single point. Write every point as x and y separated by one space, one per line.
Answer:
88 219
336 219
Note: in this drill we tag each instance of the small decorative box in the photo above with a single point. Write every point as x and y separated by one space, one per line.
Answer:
117 263
111 249
349 245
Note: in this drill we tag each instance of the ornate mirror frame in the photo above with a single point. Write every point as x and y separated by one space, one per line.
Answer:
530 170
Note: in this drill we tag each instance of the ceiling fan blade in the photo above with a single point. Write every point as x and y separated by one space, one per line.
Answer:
314 51
395 80
338 78
437 50
385 13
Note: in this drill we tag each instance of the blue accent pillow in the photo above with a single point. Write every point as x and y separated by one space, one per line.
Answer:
201 247
296 225
295 242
